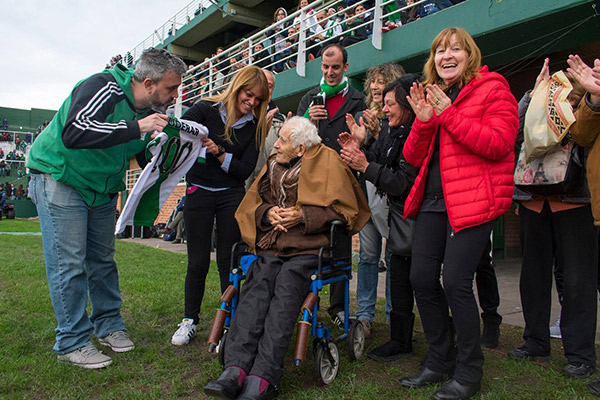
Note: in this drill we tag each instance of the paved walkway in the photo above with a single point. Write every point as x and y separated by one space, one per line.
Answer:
507 272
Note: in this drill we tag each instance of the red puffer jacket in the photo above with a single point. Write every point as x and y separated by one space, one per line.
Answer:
477 138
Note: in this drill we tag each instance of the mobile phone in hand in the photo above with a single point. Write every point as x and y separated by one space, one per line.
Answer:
318 100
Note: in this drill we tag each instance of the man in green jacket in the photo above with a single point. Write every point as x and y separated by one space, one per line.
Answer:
77 168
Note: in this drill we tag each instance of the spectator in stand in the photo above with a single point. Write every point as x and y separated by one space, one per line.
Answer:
20 193
351 34
218 80
365 16
278 35
220 61
261 56
4 124
310 19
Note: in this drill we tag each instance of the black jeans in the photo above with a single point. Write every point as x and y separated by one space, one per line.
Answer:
401 292
571 237
269 305
201 208
487 287
435 243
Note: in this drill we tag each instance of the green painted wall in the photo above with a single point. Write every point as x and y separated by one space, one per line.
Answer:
25 120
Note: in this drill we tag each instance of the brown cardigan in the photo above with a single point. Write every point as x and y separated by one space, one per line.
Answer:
585 132
324 181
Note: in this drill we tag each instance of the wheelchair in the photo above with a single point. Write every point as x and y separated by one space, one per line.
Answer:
334 265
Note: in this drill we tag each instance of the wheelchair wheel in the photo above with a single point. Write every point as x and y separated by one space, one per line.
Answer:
327 363
356 340
222 345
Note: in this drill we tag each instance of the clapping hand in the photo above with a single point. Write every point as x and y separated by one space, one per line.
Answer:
372 122
544 76
423 110
588 77
437 98
354 158
359 131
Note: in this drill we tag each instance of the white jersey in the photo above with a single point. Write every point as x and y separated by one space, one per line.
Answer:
172 152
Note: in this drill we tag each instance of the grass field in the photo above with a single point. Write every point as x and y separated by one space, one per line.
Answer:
152 283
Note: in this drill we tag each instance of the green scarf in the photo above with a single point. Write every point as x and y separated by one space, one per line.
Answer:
329 91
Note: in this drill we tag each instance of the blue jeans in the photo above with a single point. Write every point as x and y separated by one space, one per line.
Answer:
79 248
368 273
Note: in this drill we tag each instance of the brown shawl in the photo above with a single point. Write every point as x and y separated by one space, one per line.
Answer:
324 181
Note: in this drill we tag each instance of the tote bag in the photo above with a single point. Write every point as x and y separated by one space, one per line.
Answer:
548 117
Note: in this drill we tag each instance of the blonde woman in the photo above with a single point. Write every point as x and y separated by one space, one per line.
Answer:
237 124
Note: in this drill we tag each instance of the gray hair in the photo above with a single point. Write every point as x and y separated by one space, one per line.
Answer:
303 132
153 63
269 72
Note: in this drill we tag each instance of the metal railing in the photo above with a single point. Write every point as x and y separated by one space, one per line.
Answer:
287 44
167 29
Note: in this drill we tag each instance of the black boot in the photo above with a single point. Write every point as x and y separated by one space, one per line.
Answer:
251 390
400 344
452 390
490 335
228 385
424 378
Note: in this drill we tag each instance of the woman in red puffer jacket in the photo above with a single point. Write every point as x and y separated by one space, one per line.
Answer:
463 142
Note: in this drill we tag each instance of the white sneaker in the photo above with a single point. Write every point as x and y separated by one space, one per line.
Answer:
555 329
118 341
338 319
87 356
186 331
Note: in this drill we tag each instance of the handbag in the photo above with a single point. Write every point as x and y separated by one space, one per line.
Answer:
401 231
559 171
548 116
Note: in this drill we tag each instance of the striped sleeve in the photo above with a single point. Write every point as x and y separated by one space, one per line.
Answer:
92 102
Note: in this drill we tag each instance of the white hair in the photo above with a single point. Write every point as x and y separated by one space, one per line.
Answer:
302 131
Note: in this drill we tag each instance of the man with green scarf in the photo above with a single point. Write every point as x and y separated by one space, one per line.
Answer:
330 118
340 98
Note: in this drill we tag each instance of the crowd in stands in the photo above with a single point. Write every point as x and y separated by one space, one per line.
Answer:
9 192
347 25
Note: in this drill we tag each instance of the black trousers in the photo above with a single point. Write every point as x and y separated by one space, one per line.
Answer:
401 291
435 243
402 298
262 326
201 208
337 289
487 287
571 237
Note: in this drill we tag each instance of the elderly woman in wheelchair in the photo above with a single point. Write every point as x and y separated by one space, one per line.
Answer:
285 220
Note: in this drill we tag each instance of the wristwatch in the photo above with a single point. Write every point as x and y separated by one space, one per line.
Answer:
221 151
